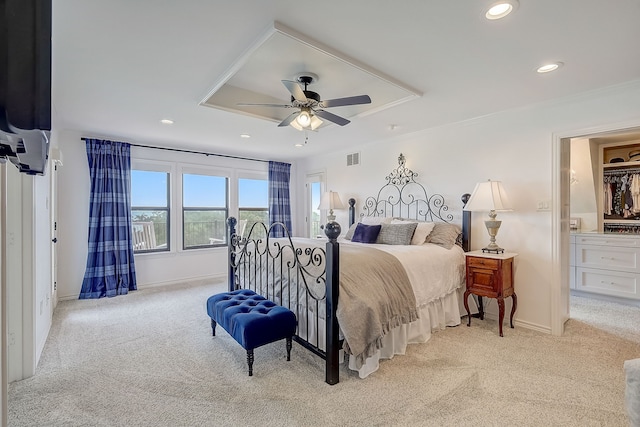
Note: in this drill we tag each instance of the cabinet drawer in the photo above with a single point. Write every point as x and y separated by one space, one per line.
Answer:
608 258
616 283
483 262
609 240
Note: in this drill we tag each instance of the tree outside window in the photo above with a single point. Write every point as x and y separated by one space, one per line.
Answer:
253 206
150 211
204 211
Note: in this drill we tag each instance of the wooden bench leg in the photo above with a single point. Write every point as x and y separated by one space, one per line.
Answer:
213 327
289 345
250 361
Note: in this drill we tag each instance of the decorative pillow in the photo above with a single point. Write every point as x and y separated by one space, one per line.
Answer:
396 234
444 234
375 220
350 231
366 233
422 230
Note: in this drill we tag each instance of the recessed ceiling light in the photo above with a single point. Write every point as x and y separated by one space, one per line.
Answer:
166 121
245 135
500 9
547 68
299 145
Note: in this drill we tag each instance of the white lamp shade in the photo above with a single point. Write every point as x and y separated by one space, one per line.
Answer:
488 196
315 122
330 200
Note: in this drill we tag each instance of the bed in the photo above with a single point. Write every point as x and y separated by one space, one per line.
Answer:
394 277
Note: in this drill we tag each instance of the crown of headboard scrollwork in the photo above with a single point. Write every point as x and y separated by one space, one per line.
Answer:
403 197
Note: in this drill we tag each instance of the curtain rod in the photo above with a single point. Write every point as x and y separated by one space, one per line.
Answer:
190 151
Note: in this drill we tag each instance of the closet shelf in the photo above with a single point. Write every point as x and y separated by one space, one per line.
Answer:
621 165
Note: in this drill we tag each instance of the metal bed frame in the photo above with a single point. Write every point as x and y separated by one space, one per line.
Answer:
261 264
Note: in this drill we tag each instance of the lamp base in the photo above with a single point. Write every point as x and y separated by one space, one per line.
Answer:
489 250
493 226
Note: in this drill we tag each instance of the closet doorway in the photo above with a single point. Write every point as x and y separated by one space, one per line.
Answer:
578 181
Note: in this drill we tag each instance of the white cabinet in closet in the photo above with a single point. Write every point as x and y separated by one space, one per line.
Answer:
607 264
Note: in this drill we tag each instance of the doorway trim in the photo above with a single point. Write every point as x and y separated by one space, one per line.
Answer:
559 215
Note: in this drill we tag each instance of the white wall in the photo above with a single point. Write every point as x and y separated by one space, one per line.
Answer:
153 269
514 147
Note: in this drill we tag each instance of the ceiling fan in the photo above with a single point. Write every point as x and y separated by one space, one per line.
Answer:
311 107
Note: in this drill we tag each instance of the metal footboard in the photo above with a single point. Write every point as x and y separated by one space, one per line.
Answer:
300 276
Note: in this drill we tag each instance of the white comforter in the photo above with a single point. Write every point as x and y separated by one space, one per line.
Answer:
433 270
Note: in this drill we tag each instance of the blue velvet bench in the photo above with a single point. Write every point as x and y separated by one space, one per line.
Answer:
252 320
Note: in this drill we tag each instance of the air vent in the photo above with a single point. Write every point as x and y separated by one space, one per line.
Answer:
353 159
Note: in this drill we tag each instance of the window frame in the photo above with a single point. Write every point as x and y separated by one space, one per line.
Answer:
257 177
213 172
160 167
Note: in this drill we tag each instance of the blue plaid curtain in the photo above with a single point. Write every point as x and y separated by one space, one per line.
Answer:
279 202
110 270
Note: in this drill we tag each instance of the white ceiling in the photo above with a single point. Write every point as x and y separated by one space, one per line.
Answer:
120 66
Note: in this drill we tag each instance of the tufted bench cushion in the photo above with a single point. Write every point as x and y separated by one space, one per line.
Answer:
252 320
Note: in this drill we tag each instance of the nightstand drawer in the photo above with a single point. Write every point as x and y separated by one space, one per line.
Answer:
489 263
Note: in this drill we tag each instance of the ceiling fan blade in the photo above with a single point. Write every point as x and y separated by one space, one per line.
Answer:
291 117
295 89
350 100
245 104
332 117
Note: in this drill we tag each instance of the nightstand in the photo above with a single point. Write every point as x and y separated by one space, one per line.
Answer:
490 275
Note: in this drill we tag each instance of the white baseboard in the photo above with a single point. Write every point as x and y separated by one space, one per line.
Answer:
516 323
184 281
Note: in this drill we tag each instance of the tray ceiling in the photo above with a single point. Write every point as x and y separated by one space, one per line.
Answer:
284 54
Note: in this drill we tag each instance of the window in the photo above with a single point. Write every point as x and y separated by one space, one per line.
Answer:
150 211
314 217
204 211
253 205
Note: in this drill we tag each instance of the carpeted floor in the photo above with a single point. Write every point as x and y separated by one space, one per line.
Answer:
148 359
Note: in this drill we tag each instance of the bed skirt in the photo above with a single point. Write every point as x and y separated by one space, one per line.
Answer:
434 316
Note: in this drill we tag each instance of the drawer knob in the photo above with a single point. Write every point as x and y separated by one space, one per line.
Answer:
607 257
604 282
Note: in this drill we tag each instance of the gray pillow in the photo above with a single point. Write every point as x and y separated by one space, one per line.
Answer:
350 231
396 234
444 234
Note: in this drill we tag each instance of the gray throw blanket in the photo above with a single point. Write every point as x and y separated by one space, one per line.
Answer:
375 297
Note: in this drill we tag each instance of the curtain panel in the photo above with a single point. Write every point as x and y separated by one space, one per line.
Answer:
279 201
110 269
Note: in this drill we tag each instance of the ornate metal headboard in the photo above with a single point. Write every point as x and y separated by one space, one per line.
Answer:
403 197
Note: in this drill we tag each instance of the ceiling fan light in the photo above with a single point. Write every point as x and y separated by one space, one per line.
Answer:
295 125
315 122
304 119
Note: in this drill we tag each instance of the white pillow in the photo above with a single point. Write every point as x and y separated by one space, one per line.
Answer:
422 230
376 220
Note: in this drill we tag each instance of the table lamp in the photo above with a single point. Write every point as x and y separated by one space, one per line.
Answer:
330 200
489 197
